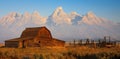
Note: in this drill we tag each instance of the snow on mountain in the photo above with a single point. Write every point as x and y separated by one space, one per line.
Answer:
37 19
33 18
9 19
20 20
86 26
60 17
16 21
75 17
90 18
62 25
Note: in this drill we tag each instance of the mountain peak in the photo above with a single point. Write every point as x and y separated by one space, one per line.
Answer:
59 8
36 13
26 14
58 12
14 14
91 15
60 17
91 18
74 13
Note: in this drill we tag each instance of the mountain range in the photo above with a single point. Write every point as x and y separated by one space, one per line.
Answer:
62 25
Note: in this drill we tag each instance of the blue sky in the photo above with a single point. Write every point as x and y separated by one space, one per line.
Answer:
109 9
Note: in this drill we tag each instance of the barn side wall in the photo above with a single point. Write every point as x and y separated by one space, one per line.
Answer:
59 43
12 44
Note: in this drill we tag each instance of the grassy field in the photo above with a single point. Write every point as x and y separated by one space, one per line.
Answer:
82 52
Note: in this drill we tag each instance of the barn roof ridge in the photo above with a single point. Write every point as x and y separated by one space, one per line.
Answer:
36 27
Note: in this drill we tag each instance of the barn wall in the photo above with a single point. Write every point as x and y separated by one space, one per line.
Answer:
44 33
20 44
30 42
59 43
42 42
12 44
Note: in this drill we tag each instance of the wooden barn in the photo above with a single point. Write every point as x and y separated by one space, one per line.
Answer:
34 37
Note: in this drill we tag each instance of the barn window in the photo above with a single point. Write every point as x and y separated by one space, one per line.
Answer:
39 41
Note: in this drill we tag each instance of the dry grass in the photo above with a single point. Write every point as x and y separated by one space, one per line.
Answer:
60 53
1 44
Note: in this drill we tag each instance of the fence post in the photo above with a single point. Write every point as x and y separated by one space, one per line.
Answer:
99 43
87 41
80 42
74 42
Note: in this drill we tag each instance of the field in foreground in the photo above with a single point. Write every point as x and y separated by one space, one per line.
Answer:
60 53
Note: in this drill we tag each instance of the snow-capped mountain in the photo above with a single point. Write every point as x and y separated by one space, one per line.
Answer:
75 17
19 20
59 17
91 19
9 19
62 25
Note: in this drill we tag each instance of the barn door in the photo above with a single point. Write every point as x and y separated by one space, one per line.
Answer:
23 43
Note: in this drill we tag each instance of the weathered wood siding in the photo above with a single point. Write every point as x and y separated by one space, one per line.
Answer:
44 33
11 44
59 43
